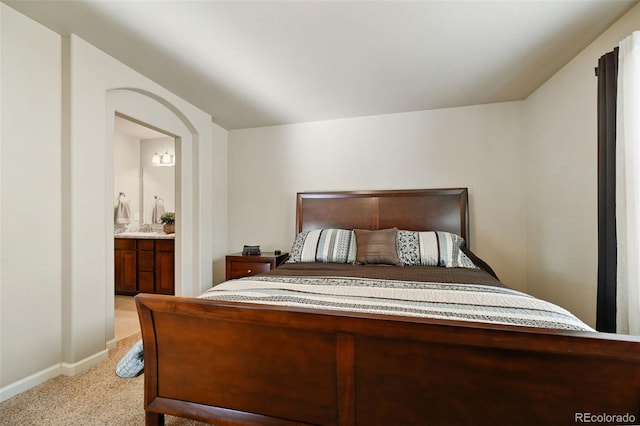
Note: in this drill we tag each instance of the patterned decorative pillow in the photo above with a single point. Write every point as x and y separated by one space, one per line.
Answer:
432 248
324 245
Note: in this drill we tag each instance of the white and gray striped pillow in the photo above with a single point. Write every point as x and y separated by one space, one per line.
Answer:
324 245
432 248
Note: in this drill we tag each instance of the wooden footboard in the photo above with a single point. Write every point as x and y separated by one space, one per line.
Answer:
234 363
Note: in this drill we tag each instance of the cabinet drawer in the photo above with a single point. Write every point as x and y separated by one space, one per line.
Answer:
245 269
145 244
165 245
124 244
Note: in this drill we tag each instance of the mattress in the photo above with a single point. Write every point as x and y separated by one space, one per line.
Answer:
460 294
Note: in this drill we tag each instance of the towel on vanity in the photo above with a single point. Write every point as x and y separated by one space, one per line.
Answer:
158 211
122 215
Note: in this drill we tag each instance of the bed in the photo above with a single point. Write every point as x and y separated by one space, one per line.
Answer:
277 360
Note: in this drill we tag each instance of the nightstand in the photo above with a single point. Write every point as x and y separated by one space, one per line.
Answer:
239 265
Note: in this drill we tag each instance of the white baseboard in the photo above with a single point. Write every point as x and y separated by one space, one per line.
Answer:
111 344
69 369
63 368
29 382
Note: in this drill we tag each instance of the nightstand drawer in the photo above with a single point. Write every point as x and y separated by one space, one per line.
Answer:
239 265
245 269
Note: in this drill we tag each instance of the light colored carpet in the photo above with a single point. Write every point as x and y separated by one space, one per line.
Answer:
95 397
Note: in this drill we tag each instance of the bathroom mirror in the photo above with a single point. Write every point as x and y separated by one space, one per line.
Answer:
158 186
144 168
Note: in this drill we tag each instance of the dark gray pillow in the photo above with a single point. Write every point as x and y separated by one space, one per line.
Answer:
377 247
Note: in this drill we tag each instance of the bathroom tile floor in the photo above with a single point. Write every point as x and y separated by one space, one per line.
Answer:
126 317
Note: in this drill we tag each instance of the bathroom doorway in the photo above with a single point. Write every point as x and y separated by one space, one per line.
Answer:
144 172
144 198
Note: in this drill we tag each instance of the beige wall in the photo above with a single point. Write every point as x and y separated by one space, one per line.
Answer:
30 200
477 147
59 97
561 185
99 87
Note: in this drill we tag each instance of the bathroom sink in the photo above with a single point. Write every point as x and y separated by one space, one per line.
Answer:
142 235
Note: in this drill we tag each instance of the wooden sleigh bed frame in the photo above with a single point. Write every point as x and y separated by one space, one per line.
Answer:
231 363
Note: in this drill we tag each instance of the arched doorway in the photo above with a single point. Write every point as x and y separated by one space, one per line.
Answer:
156 112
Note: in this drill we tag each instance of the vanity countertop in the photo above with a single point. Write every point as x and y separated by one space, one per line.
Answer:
146 235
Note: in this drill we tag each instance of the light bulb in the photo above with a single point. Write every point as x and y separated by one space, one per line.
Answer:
166 158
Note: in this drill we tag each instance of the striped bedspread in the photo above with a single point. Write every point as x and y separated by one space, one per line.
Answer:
466 302
452 301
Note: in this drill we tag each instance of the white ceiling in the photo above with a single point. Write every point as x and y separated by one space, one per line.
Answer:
260 63
136 130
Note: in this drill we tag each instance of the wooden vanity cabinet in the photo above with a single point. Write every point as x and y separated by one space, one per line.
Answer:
165 266
144 266
126 277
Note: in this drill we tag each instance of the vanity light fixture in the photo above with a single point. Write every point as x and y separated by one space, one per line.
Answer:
167 158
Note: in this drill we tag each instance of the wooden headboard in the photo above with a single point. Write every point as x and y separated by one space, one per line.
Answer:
444 209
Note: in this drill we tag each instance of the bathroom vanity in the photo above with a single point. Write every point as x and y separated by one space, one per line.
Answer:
144 263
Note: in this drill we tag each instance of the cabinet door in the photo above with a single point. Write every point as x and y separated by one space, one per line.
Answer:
145 260
165 271
125 271
146 282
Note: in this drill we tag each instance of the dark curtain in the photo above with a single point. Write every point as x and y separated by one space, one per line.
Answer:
607 73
